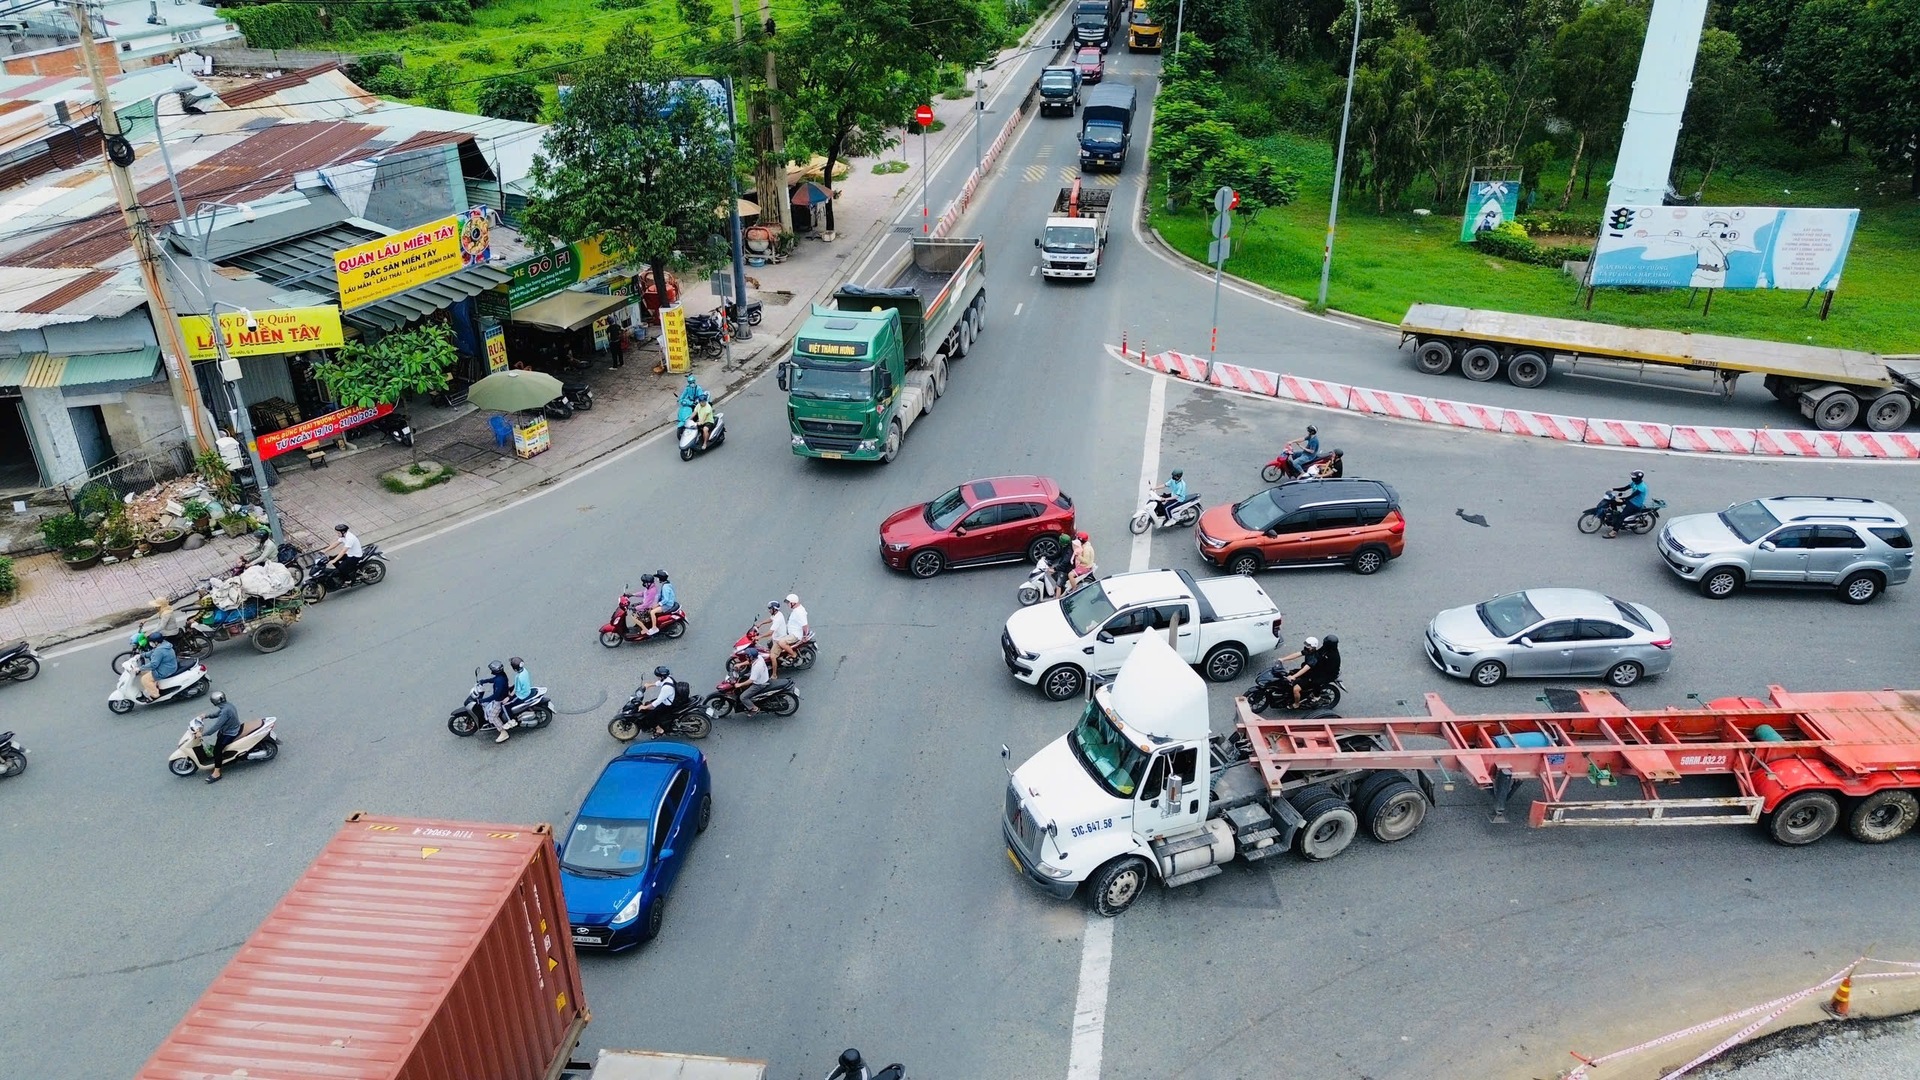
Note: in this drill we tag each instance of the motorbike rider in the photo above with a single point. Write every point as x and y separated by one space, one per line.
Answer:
703 418
638 606
1304 451
267 552
799 628
661 707
350 552
1171 495
1628 498
225 720
1083 561
750 677
1320 665
773 627
691 393
493 705
522 679
663 601
157 661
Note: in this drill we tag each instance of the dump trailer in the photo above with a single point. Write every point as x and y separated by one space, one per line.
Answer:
1106 127
1834 388
864 370
409 950
1143 30
654 1065
1075 239
1121 800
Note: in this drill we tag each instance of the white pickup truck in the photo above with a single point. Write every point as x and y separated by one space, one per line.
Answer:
1223 621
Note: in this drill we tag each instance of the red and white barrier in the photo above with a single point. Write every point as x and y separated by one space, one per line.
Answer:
1836 444
1312 391
1467 415
1694 439
1178 364
1635 433
1251 380
1395 404
1543 425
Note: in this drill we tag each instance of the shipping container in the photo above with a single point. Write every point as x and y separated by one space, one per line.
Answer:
409 950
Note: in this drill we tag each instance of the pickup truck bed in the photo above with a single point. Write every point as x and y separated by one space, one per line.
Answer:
1228 597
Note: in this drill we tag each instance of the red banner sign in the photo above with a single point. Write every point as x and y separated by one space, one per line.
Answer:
319 429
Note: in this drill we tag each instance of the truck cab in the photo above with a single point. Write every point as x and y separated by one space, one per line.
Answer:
1106 128
1093 22
845 376
1074 240
1059 90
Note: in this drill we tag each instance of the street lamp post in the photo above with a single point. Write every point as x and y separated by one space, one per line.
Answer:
741 330
1340 159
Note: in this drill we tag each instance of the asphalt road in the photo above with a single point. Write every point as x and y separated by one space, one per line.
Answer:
853 889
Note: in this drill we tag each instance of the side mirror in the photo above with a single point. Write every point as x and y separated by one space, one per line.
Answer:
782 374
959 530
1767 545
665 854
1036 241
1106 638
1525 641
1271 533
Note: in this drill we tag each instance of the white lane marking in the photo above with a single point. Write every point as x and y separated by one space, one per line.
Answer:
1149 466
1090 1007
1032 270
1018 306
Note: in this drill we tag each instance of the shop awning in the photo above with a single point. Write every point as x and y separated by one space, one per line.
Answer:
568 310
43 372
13 370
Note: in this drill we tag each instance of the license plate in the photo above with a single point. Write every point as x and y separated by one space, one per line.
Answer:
830 454
584 938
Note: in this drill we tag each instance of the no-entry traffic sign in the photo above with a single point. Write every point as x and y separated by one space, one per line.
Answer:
923 115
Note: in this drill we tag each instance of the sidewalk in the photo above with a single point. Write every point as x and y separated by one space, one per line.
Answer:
54 604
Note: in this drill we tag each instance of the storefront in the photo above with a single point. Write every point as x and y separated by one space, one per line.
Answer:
557 310
81 399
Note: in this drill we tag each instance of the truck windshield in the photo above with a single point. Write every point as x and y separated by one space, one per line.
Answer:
1508 615
1086 608
1102 134
1141 18
1070 239
834 383
1112 761
1749 521
1056 83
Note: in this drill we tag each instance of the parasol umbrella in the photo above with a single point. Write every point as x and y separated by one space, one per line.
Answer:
514 391
809 193
747 207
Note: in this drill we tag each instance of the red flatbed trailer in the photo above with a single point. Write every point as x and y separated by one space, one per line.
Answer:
1802 762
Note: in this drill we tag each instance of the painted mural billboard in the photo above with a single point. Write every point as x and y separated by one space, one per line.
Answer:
1723 247
1489 203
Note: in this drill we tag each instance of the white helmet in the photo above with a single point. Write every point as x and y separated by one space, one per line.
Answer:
1311 644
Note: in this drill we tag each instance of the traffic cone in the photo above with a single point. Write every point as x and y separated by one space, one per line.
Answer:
1842 1002
1123 344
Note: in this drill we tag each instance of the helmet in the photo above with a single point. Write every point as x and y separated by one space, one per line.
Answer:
773 605
496 667
1638 476
663 672
1082 537
691 381
1311 644
261 534
1336 452
1178 473
1311 430
661 574
646 579
516 662
792 599
851 1059
340 528
218 697
1333 639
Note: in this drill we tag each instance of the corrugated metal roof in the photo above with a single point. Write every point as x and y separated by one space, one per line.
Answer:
13 369
265 88
119 294
46 372
68 293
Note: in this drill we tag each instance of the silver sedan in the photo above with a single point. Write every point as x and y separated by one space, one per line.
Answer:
1550 633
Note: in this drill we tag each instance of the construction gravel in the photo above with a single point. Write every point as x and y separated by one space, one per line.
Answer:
1855 1050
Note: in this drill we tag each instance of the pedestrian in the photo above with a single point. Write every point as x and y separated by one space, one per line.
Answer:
622 337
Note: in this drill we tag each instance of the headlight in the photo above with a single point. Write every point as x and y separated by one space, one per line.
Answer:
1029 655
898 547
1054 872
630 912
869 444
799 440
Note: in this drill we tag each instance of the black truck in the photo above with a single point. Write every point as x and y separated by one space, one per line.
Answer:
1106 128
1095 22
1059 90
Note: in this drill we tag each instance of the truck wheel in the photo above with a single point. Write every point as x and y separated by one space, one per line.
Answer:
1225 662
1860 587
1804 818
1331 826
1117 885
1395 810
1432 357
1889 411
1480 363
939 380
962 340
1061 682
1883 816
980 313
1527 369
893 444
1720 583
1837 411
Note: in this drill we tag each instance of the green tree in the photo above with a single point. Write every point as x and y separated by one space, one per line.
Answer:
1726 109
1395 108
634 157
436 84
514 98
1818 47
417 361
1595 59
1879 84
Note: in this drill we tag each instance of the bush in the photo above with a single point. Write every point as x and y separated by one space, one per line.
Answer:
279 26
1559 223
483 54
528 55
527 18
1509 240
8 583
513 98
63 531
393 81
371 65
620 5
436 83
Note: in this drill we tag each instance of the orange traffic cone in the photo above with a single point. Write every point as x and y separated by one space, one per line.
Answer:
1842 1002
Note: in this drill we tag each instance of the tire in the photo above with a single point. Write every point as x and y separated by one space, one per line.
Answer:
926 563
269 637
1837 411
1642 524
22 668
1369 560
804 656
1433 357
270 747
182 766
1029 595
1720 583
1625 673
371 572
119 706
1889 411
1327 697
313 592
1272 474
1115 887
537 718
1527 370
1883 816
1395 810
980 313
1487 673
611 638
12 763
704 816
1246 563
1801 819
120 658
697 725
674 629
198 688
1331 826
893 444
1225 663
1589 522
1480 363
717 708
1187 518
785 704
623 728
1061 682
939 380
656 915
754 316
1140 523
1045 547
1256 699
686 453
1860 587
462 724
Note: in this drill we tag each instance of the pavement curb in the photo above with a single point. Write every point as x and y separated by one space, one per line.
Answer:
1270 294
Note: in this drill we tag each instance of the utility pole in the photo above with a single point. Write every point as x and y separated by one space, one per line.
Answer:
773 165
1340 161
186 393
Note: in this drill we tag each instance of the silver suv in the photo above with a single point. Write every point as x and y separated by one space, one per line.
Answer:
1860 546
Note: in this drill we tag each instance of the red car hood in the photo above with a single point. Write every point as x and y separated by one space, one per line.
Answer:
907 525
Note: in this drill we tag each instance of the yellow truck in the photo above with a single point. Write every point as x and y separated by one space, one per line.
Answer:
1143 29
1834 388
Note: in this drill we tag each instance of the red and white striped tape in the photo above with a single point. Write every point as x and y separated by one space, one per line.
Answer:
1635 433
1178 364
1712 440
1393 403
1835 444
1467 415
1251 380
1543 425
1312 391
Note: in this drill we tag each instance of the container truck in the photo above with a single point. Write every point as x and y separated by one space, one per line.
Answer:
865 369
1075 238
1106 127
1141 789
1834 388
1094 22
1143 29
1059 90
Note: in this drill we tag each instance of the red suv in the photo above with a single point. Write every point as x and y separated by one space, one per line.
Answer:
999 519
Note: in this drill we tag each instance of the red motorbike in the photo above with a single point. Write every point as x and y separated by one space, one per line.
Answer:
802 659
615 630
1282 467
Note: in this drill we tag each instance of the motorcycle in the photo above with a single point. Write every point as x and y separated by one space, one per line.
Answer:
803 656
13 756
1044 582
529 714
1634 521
1282 467
397 427
190 681
615 630
1271 689
704 338
1150 516
257 741
777 697
690 434
323 576
557 409
852 1066
685 717
19 662
577 395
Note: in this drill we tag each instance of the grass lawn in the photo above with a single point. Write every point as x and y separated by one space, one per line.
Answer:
1382 263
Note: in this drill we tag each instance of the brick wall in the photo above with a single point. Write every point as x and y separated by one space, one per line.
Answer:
62 61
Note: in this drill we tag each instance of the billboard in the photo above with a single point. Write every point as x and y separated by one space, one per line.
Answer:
377 269
543 275
1723 247
277 330
1489 202
318 429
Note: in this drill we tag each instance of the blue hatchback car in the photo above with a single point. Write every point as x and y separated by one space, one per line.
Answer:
629 841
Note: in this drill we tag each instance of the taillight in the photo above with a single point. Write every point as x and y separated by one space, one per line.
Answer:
1395 523
1663 643
1277 620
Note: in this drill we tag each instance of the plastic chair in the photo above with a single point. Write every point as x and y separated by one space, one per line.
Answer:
502 430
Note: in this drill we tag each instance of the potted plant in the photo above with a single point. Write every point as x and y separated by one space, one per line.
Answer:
116 536
81 555
197 512
166 538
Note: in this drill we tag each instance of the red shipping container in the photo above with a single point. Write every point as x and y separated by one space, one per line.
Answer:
409 950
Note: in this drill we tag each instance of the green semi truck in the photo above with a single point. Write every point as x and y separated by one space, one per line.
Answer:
863 370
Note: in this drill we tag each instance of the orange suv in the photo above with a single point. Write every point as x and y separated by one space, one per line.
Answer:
1306 523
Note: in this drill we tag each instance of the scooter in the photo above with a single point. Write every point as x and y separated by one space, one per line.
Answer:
1044 582
777 697
1271 689
323 576
1634 521
398 428
803 656
577 395
690 434
13 756
18 662
529 714
1150 516
615 630
854 1067
257 741
189 682
684 718
1282 467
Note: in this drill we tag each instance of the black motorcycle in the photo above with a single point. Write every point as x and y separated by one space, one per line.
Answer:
530 714
1271 689
683 719
323 575
777 697
397 427
1639 521
18 662
13 756
852 1066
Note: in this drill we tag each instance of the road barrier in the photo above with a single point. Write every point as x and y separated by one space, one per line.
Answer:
1591 431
